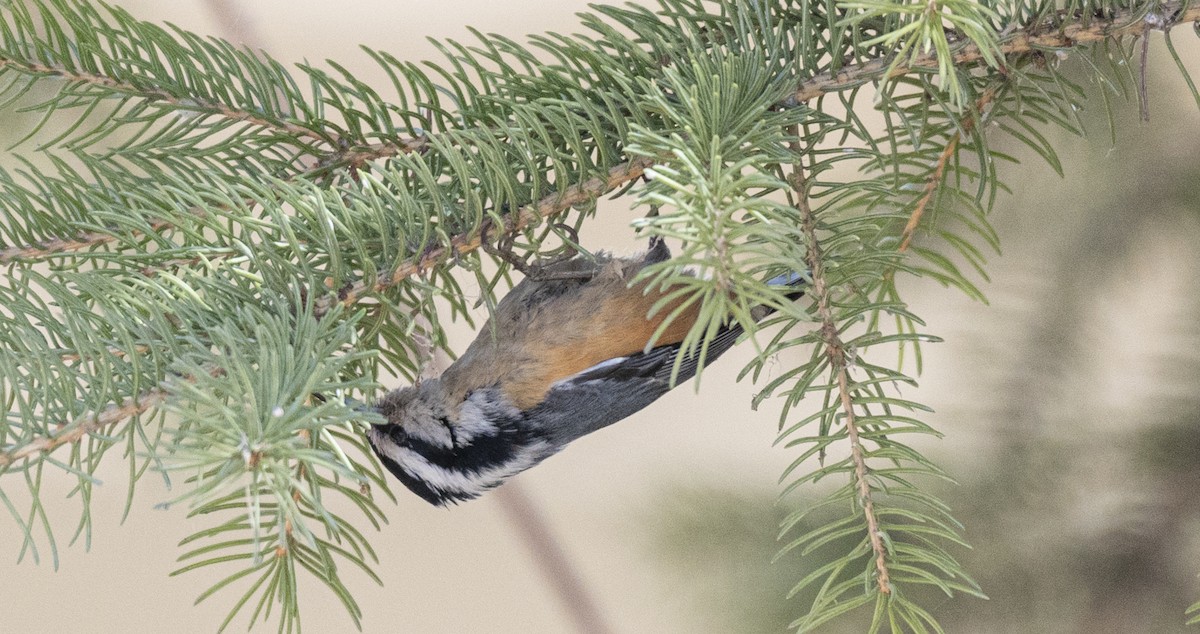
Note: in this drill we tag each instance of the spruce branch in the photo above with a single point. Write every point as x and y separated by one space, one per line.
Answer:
526 216
69 432
1067 36
180 101
78 429
966 126
836 352
1033 39
79 242
1064 36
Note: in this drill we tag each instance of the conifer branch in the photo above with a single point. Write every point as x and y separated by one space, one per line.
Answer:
80 428
256 228
1063 36
185 103
1068 35
548 206
528 215
78 242
836 353
966 126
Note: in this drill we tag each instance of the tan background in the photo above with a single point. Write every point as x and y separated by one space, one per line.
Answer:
466 570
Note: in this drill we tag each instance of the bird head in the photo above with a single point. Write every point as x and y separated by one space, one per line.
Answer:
421 414
448 452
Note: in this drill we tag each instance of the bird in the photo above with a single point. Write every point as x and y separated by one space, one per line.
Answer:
563 355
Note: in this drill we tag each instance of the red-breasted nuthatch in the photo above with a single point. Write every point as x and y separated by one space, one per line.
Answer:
562 356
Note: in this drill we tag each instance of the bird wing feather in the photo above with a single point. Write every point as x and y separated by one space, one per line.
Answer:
616 388
604 323
582 313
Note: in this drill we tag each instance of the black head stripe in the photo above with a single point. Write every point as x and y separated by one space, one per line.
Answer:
487 450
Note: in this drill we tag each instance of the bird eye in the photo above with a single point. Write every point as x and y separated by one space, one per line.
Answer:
397 434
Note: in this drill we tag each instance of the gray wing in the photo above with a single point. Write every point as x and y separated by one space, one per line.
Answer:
615 389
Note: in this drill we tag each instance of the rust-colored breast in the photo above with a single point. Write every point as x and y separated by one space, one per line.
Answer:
600 324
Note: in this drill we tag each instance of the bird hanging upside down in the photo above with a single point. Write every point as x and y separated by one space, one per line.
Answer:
562 356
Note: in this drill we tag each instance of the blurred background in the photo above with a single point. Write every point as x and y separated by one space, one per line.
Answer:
1070 406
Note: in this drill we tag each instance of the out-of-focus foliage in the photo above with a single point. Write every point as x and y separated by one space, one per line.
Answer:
1079 482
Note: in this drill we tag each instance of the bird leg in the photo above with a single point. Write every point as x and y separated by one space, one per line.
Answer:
537 271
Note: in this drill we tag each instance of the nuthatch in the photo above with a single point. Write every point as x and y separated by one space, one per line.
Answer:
562 356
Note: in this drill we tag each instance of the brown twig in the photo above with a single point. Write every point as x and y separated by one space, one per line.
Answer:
539 269
1055 36
79 428
189 103
464 243
1143 95
117 352
348 156
966 126
76 430
78 242
835 352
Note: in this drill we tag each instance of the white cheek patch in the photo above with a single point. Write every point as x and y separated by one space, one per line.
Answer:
437 436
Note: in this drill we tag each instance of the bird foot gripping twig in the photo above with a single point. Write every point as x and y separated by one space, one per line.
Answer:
538 270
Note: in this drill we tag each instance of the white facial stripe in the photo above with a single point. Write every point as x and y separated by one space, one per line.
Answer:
453 481
433 433
475 415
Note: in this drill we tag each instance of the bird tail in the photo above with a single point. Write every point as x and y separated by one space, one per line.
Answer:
791 278
796 280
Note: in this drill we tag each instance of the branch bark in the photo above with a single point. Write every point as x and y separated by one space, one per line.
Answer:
1121 24
80 428
966 126
464 243
835 352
